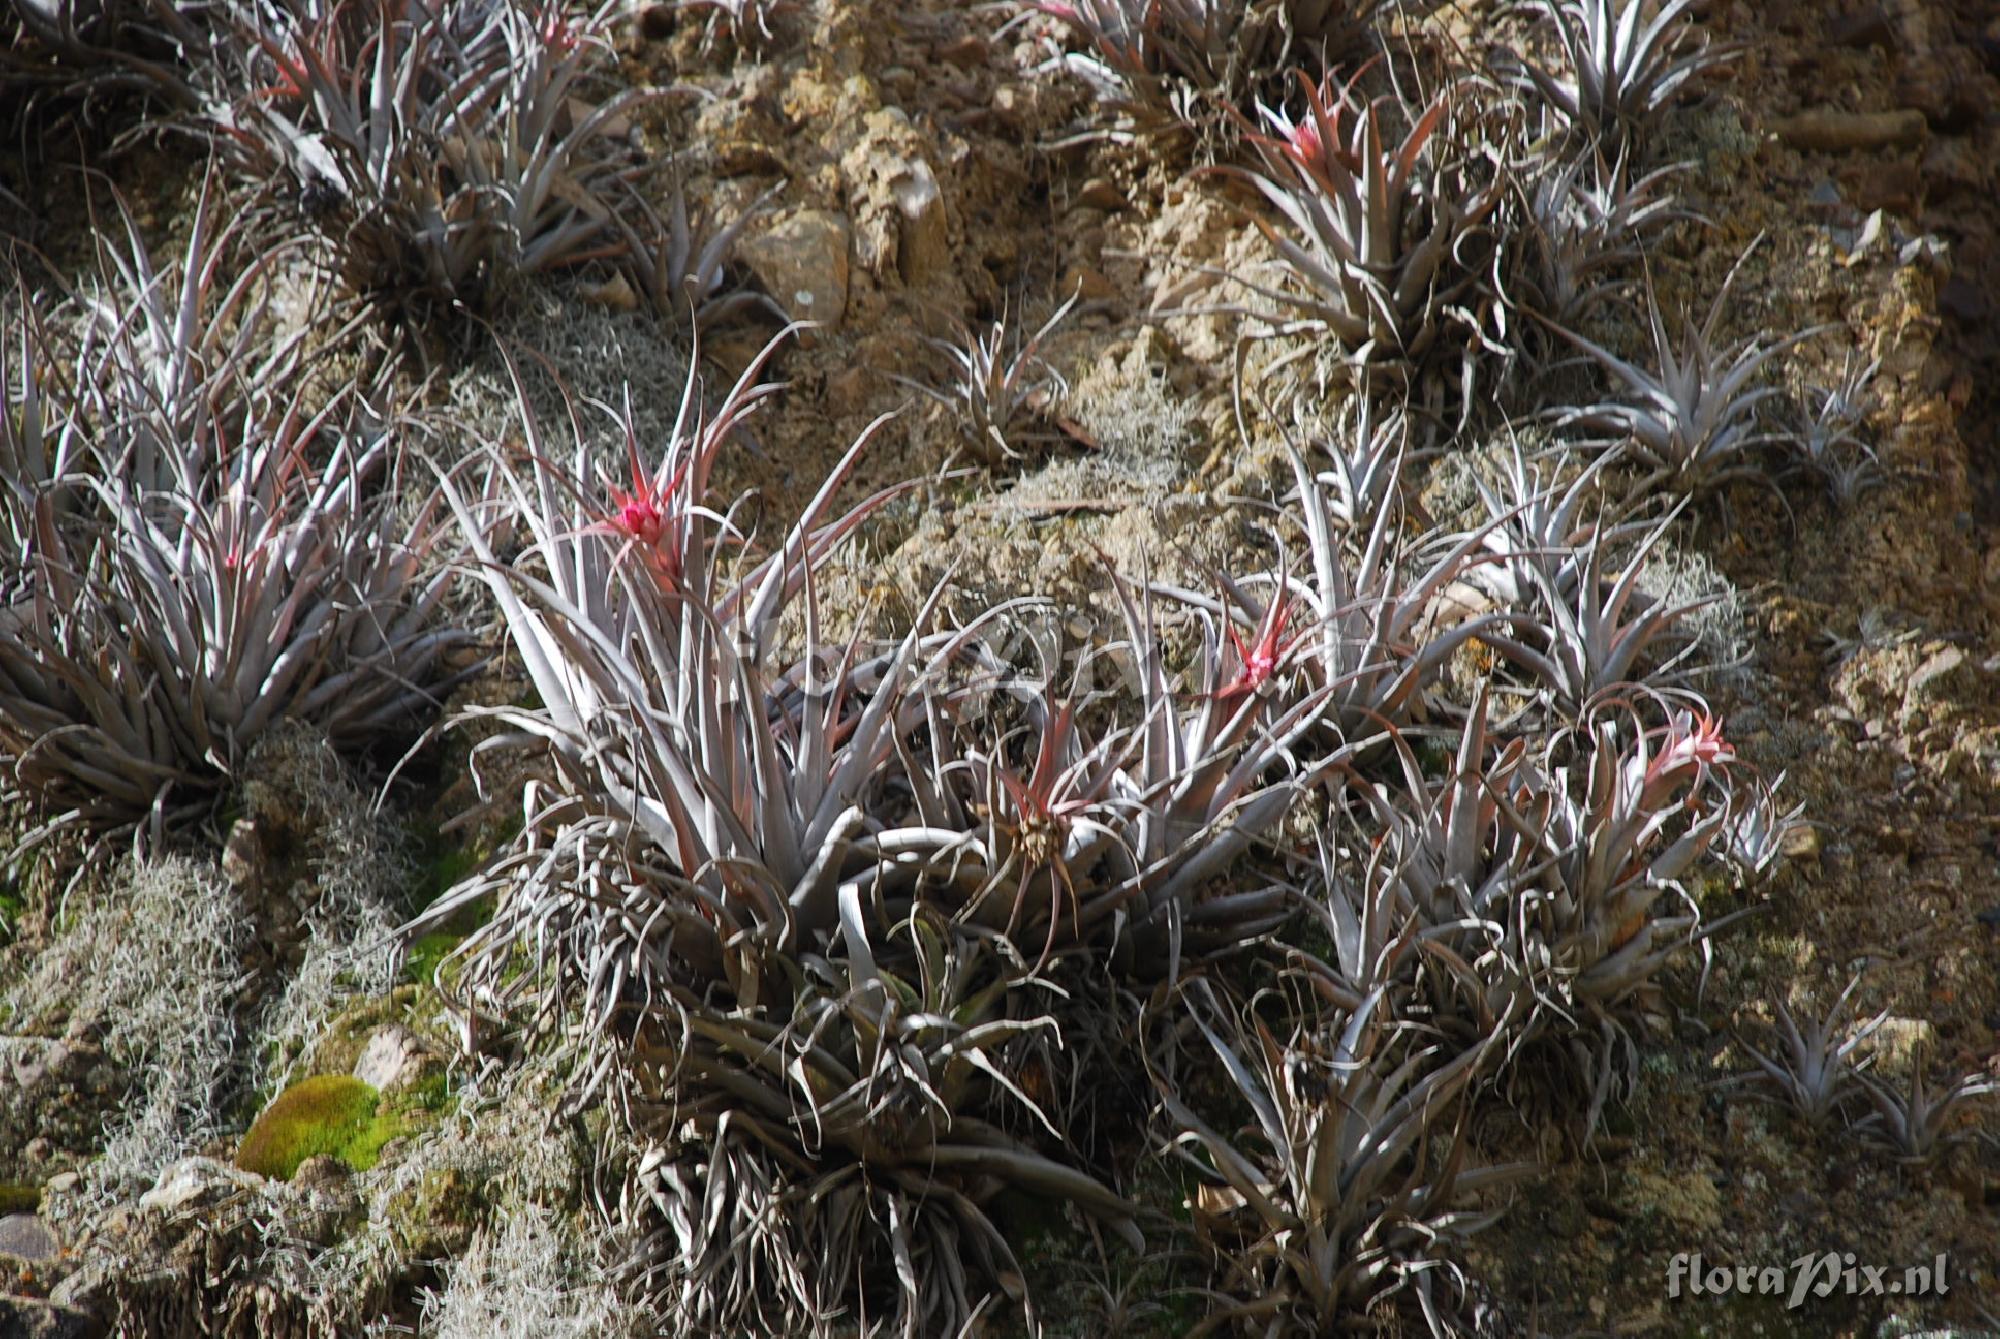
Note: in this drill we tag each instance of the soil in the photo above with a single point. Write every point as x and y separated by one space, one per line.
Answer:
1873 679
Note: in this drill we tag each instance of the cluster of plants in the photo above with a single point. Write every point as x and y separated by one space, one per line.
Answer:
1166 61
820 892
1436 258
821 914
860 929
439 154
96 49
1822 1072
197 543
1453 241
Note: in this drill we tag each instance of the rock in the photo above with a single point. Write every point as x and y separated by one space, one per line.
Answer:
900 218
194 1182
27 1318
392 1060
1824 130
925 248
244 862
1091 284
1947 87
26 1237
615 293
322 1171
656 22
62 1183
1933 679
747 158
803 263
967 53
1012 106
435 1216
31 1061
1098 193
1954 165
1801 843
1893 185
1945 678
1899 1042
1867 26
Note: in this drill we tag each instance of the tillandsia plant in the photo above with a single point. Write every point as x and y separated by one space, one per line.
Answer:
1115 841
1829 443
1690 426
439 151
1371 612
1169 56
1623 824
96 47
210 555
1813 1070
721 881
1374 636
1580 633
1202 776
1916 1122
1352 1184
1578 232
1380 240
991 392
1431 907
1545 518
1367 453
37 454
743 783
833 1165
1623 67
1762 837
681 267
171 356
1529 888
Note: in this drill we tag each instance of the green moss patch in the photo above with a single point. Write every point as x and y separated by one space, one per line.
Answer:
427 952
329 1114
18 1198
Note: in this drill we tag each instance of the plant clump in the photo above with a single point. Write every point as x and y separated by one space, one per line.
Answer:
181 512
441 151
839 963
1175 57
1382 235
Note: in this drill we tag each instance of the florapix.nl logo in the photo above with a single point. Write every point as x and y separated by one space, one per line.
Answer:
1807 1278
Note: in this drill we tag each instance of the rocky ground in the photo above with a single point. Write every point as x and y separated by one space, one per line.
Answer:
920 171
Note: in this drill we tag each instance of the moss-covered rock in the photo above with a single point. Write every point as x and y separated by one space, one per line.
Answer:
436 1217
331 1114
347 1033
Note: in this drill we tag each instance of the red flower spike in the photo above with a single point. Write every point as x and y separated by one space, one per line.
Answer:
637 518
647 516
556 33
1691 742
1260 659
